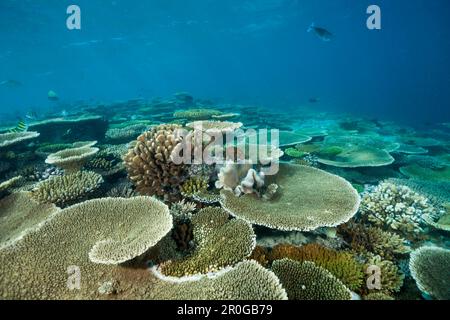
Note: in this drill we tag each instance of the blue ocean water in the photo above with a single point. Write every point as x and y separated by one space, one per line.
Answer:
255 52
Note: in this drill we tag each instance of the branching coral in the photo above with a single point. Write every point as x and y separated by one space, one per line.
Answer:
182 210
341 264
363 238
149 165
194 185
73 159
260 255
220 243
20 214
397 208
307 281
63 190
306 199
430 267
390 275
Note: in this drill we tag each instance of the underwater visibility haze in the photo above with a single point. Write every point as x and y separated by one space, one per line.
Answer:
213 150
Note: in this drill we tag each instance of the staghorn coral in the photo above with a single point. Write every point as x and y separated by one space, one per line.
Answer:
19 215
73 159
341 264
63 190
430 268
363 238
391 276
307 281
220 243
194 185
182 211
9 139
396 208
306 199
150 167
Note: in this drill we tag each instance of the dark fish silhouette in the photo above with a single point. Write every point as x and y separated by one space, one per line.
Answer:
322 33
314 100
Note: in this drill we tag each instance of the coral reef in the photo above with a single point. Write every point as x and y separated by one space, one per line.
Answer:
73 159
219 243
150 167
307 281
9 139
37 266
307 198
259 254
63 190
364 238
391 276
182 210
430 268
196 114
214 126
19 215
397 208
146 221
5 185
194 185
126 134
339 263
355 157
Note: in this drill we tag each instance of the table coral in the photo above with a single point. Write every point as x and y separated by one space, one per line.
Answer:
307 281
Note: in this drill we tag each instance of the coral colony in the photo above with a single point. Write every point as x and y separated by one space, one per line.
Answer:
193 200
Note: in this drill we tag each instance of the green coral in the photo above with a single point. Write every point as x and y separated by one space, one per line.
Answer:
63 190
307 281
193 186
220 243
341 264
391 276
294 153
430 268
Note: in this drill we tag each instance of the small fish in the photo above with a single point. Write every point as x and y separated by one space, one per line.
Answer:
52 96
314 100
21 127
11 83
322 33
32 115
